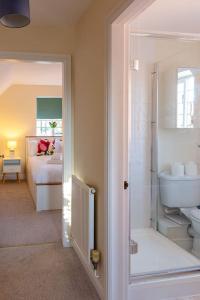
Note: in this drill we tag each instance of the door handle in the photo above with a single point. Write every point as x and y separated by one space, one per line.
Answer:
125 185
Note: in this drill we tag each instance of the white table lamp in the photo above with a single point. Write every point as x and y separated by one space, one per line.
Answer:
12 145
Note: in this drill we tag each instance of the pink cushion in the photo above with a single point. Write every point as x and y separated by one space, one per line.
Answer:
43 146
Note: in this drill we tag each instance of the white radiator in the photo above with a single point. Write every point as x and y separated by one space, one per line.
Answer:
82 229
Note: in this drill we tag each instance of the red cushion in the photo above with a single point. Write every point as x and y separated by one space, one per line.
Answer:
43 146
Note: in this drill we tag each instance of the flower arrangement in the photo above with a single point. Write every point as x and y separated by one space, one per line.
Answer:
53 125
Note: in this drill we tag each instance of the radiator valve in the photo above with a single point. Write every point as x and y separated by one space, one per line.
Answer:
95 257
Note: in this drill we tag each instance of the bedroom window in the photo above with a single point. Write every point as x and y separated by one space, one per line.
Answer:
43 128
49 110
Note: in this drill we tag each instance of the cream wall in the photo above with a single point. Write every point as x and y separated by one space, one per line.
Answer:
18 114
46 39
89 88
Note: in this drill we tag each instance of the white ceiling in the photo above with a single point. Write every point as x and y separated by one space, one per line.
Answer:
57 12
29 73
170 16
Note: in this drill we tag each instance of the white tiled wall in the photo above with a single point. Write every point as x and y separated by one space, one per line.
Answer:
178 145
175 144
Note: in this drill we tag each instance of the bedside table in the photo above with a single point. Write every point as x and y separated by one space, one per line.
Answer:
11 165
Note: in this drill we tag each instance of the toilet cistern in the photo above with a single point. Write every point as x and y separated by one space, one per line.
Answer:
183 193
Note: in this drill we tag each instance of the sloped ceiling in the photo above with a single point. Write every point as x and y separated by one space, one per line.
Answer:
29 73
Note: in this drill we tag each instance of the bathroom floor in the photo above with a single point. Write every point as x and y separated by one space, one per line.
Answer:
157 253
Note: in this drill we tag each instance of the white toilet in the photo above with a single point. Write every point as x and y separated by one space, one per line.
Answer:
184 193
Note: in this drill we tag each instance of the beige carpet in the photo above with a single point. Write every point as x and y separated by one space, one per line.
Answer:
20 224
46 272
38 268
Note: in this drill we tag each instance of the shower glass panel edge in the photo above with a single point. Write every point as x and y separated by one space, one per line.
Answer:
154 150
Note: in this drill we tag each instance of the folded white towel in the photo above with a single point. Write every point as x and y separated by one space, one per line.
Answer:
177 169
191 169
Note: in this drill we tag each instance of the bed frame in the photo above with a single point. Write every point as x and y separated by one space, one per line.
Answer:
46 196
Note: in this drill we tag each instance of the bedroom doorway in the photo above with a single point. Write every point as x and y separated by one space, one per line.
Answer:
64 191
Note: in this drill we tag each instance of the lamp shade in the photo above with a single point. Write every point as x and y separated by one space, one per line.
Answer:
12 145
14 13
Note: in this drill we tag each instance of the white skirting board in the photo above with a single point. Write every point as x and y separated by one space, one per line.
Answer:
89 271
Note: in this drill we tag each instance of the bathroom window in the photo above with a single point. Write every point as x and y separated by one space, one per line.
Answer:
185 98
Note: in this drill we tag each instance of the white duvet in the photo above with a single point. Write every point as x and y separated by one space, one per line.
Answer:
42 172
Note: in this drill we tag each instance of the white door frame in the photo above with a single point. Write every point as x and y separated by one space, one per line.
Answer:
118 286
67 127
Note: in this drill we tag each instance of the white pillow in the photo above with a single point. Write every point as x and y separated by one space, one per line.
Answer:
32 148
58 146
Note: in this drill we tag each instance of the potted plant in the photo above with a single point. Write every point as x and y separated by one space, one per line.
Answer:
53 125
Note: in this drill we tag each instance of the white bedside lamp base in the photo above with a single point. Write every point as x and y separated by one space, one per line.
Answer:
12 146
12 153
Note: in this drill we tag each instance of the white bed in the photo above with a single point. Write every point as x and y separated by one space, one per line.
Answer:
44 173
44 179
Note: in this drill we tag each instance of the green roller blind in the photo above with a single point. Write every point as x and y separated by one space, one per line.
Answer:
49 108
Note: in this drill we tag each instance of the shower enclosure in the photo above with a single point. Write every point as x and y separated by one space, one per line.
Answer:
161 121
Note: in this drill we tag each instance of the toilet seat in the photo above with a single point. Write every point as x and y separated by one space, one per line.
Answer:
191 212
